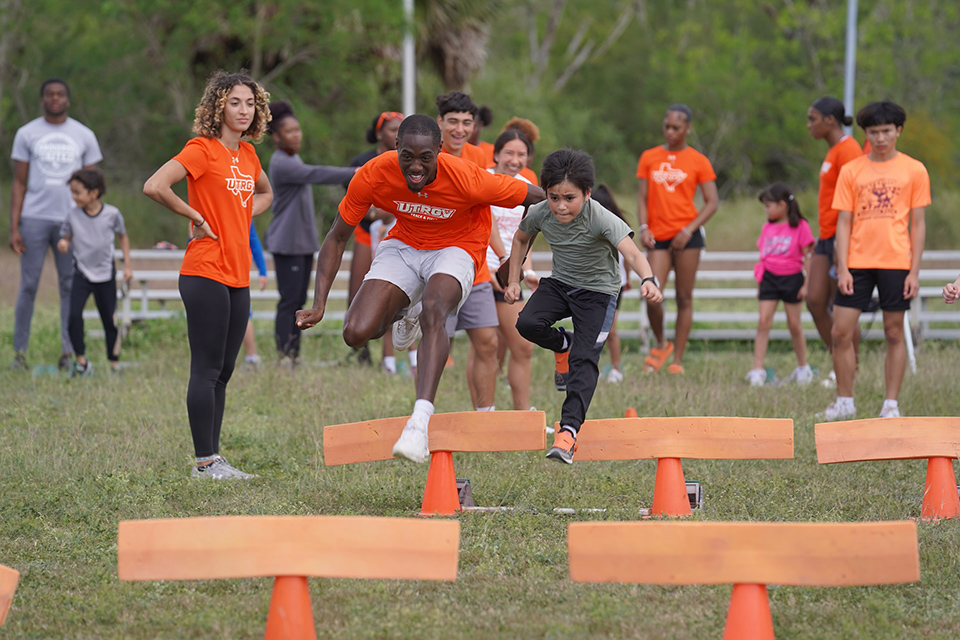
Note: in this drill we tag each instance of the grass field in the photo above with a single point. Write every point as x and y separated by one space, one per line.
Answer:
78 456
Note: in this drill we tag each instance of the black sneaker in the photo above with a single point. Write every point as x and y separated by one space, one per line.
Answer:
64 363
19 363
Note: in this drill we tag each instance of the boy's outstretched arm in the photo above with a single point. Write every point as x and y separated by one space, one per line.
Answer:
636 261
518 252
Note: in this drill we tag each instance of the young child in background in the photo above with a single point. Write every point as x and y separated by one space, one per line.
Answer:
604 196
91 228
584 283
786 246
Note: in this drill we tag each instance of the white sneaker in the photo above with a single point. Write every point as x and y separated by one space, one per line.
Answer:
615 376
756 377
802 375
406 330
836 412
830 382
412 443
888 411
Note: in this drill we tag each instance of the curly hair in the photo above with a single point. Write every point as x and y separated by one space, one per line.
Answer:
208 118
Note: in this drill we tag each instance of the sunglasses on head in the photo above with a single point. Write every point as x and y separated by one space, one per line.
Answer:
388 115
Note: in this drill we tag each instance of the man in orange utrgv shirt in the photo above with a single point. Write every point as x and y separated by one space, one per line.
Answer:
881 199
424 269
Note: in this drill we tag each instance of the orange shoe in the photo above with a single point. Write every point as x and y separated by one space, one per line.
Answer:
564 446
449 364
657 358
676 369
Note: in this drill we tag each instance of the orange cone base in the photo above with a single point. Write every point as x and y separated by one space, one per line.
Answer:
670 490
440 496
749 615
291 615
631 413
940 497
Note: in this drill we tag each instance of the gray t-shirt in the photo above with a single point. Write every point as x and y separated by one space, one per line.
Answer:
92 240
293 229
54 152
585 249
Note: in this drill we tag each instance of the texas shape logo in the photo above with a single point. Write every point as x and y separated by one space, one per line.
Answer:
669 176
240 185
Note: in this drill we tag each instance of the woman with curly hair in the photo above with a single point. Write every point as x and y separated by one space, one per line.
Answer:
226 188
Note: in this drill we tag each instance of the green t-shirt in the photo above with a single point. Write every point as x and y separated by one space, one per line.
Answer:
584 250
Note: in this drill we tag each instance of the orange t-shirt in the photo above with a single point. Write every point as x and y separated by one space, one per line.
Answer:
451 211
476 155
880 195
487 149
220 187
844 151
672 178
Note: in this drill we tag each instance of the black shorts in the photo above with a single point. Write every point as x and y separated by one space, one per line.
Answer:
696 242
619 298
498 296
889 284
826 247
786 288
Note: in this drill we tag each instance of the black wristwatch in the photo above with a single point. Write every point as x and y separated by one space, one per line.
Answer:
652 279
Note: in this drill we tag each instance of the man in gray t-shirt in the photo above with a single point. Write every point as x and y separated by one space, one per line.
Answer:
46 151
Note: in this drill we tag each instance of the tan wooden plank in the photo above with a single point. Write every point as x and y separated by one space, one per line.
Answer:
8 585
462 431
313 546
900 438
687 437
808 554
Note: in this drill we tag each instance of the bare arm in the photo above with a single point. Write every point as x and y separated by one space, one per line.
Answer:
534 195
159 187
328 262
844 279
711 199
262 194
17 192
643 216
807 258
125 248
951 291
636 261
918 237
518 253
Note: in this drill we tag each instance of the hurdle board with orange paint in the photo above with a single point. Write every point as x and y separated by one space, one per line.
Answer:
467 431
749 555
289 548
903 438
8 585
670 439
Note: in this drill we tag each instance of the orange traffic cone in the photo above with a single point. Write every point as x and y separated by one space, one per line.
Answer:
940 497
290 616
440 496
670 490
631 413
749 614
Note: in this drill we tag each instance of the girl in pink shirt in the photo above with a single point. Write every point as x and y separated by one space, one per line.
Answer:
786 246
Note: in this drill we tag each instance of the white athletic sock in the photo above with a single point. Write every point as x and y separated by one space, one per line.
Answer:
493 408
390 363
413 357
893 404
422 410
845 401
569 430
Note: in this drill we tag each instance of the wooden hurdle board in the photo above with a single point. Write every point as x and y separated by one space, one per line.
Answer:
8 585
749 555
902 438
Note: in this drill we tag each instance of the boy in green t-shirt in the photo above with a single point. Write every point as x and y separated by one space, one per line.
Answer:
584 284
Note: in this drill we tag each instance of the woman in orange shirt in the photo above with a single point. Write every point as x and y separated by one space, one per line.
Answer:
226 187
669 175
825 120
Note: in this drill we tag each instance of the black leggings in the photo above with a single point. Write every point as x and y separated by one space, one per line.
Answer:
105 295
216 321
293 279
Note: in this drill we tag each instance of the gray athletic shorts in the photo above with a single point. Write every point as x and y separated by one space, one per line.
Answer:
400 264
477 312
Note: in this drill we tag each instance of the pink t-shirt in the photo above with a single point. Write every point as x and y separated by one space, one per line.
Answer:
781 247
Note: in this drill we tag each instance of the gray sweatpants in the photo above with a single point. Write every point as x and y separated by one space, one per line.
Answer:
38 235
